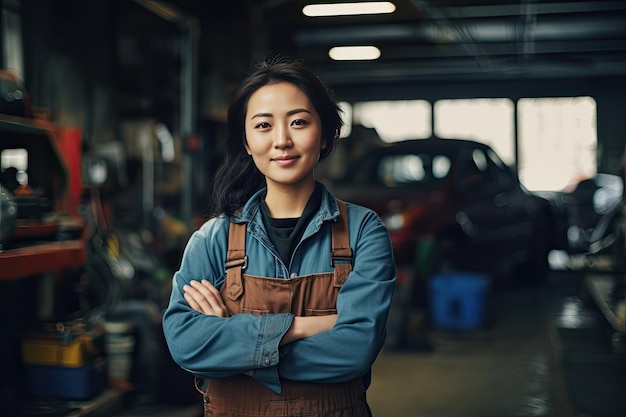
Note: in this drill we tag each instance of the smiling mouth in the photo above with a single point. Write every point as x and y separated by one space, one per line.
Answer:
284 159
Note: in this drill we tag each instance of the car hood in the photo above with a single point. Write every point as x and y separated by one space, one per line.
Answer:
386 200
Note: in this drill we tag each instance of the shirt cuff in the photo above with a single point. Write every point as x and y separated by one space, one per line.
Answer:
273 328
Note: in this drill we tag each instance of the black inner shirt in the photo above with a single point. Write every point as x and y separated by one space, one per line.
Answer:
286 233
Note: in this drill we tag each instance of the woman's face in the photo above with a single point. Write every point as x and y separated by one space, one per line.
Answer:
283 134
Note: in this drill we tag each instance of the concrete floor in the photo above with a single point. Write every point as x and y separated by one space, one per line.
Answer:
513 366
502 369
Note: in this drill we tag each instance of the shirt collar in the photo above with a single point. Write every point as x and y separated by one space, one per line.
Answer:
329 210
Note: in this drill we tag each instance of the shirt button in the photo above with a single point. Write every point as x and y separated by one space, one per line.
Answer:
293 275
267 361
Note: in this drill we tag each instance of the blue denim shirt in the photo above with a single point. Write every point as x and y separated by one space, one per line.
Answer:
214 347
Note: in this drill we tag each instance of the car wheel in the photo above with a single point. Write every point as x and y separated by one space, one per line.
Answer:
536 268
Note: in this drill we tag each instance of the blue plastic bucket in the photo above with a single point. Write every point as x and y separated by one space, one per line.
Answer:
458 299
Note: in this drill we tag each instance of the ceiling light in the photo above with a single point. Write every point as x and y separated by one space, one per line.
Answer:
354 53
344 9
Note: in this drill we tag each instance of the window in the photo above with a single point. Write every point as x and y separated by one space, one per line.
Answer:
395 120
557 141
487 121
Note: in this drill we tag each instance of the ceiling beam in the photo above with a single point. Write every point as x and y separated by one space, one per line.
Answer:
512 10
487 30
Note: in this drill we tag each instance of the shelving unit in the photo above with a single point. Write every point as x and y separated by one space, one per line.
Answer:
45 244
38 252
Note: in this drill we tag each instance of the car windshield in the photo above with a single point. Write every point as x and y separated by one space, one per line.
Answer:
397 170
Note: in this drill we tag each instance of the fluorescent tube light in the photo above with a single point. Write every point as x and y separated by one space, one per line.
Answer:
354 53
345 9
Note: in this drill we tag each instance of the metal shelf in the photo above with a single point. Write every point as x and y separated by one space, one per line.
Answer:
40 258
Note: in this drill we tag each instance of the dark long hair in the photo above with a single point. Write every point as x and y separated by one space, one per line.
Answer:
238 178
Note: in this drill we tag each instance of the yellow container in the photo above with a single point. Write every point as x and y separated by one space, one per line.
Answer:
47 351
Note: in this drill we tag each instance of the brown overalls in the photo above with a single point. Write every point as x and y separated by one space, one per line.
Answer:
309 295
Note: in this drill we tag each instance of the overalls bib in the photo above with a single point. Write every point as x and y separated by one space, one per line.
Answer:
309 295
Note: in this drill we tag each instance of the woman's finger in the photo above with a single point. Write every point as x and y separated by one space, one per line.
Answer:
218 302
211 300
203 305
192 303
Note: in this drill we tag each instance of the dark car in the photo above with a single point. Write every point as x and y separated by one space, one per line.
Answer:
593 206
452 203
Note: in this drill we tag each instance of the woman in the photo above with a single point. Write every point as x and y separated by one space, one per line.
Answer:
281 299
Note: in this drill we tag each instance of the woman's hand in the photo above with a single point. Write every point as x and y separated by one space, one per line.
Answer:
204 298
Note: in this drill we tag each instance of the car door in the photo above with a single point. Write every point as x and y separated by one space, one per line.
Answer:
484 212
520 206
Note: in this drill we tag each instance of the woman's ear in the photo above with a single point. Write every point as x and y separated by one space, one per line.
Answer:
245 144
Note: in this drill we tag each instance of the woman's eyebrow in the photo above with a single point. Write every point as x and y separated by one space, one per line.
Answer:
289 113
261 115
295 111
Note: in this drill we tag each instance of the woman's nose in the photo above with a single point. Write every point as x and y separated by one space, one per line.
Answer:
282 137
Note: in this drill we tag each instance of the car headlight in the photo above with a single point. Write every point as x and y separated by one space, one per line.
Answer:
395 221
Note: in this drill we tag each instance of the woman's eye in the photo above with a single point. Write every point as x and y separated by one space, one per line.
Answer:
263 125
299 122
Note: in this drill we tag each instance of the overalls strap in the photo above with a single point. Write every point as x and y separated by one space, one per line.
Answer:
341 256
236 259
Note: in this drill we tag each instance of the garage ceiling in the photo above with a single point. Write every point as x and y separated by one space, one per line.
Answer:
460 40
